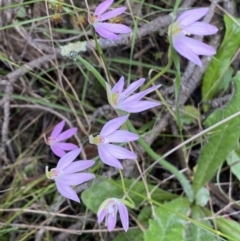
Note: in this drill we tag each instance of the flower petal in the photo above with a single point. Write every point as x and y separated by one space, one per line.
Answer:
67 191
119 152
76 178
199 47
101 215
132 87
57 151
191 16
122 136
78 166
113 125
111 221
107 158
114 27
113 13
104 32
57 129
68 158
139 95
66 146
102 7
183 49
200 28
118 87
138 106
124 216
66 134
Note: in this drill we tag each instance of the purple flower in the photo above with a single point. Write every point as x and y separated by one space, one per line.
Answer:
65 174
110 153
187 24
109 209
54 141
121 100
108 30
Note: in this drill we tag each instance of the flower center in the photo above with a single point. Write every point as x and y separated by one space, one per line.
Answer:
53 173
173 29
98 140
115 98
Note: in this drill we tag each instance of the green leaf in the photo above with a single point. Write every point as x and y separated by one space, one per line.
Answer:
219 71
191 115
110 188
221 141
168 226
233 161
21 13
202 197
196 233
131 235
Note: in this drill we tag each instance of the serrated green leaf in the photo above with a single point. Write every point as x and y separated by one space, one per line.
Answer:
233 161
219 69
110 188
196 233
221 142
131 235
168 226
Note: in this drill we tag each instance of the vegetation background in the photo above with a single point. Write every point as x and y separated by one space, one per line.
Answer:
185 183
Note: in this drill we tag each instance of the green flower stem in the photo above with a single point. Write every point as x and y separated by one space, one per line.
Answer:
132 204
93 70
183 180
100 52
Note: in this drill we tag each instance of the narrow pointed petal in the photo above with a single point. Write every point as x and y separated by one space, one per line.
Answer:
108 158
111 221
121 136
57 129
132 87
119 152
105 33
113 125
183 49
139 106
123 216
76 178
191 16
66 134
113 13
57 151
139 95
66 146
115 27
200 28
118 87
102 7
199 47
101 215
68 158
67 192
78 166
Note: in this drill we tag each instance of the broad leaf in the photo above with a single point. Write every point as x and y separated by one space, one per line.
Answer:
218 74
197 233
95 195
233 161
130 235
222 140
168 226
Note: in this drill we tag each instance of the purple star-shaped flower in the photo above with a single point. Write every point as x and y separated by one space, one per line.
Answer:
121 100
108 210
104 29
65 174
187 24
55 140
109 153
